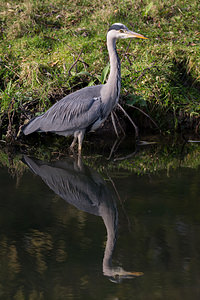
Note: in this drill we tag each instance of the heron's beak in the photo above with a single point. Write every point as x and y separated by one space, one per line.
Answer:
136 274
131 34
117 278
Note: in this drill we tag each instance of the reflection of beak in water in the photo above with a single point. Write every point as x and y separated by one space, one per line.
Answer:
118 274
84 188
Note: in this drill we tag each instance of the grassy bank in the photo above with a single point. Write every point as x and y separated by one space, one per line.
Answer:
50 48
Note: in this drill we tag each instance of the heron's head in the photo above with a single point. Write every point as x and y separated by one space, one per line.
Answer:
120 31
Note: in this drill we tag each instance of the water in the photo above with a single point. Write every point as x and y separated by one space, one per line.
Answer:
70 232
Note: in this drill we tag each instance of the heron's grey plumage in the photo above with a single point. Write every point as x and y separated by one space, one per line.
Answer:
86 109
77 110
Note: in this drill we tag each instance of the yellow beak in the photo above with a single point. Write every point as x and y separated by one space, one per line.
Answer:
132 34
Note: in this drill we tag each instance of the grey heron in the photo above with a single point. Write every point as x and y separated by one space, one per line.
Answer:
86 109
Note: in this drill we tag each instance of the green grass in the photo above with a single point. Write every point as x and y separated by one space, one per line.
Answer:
41 39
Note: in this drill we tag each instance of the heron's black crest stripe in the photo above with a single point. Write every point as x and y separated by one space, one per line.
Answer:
116 27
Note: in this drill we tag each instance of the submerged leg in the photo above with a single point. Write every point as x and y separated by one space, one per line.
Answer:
73 142
80 141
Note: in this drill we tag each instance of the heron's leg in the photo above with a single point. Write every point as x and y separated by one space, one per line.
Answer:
114 124
80 141
73 143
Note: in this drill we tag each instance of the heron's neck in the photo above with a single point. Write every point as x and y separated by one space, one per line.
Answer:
113 85
115 67
110 218
110 245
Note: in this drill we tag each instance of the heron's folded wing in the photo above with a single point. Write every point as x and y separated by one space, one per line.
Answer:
74 111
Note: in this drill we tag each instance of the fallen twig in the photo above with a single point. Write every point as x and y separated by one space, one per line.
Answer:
75 62
116 117
144 71
115 147
114 124
125 157
135 107
112 149
136 128
121 202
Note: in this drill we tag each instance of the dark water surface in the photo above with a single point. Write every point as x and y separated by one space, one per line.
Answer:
66 234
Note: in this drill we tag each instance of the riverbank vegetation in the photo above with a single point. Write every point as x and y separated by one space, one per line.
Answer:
51 48
146 160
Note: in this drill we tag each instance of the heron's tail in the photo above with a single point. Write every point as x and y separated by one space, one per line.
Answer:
34 167
31 126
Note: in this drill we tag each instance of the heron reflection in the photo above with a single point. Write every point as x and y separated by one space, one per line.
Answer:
85 189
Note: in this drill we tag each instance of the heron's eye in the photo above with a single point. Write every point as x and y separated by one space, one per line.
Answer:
121 30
